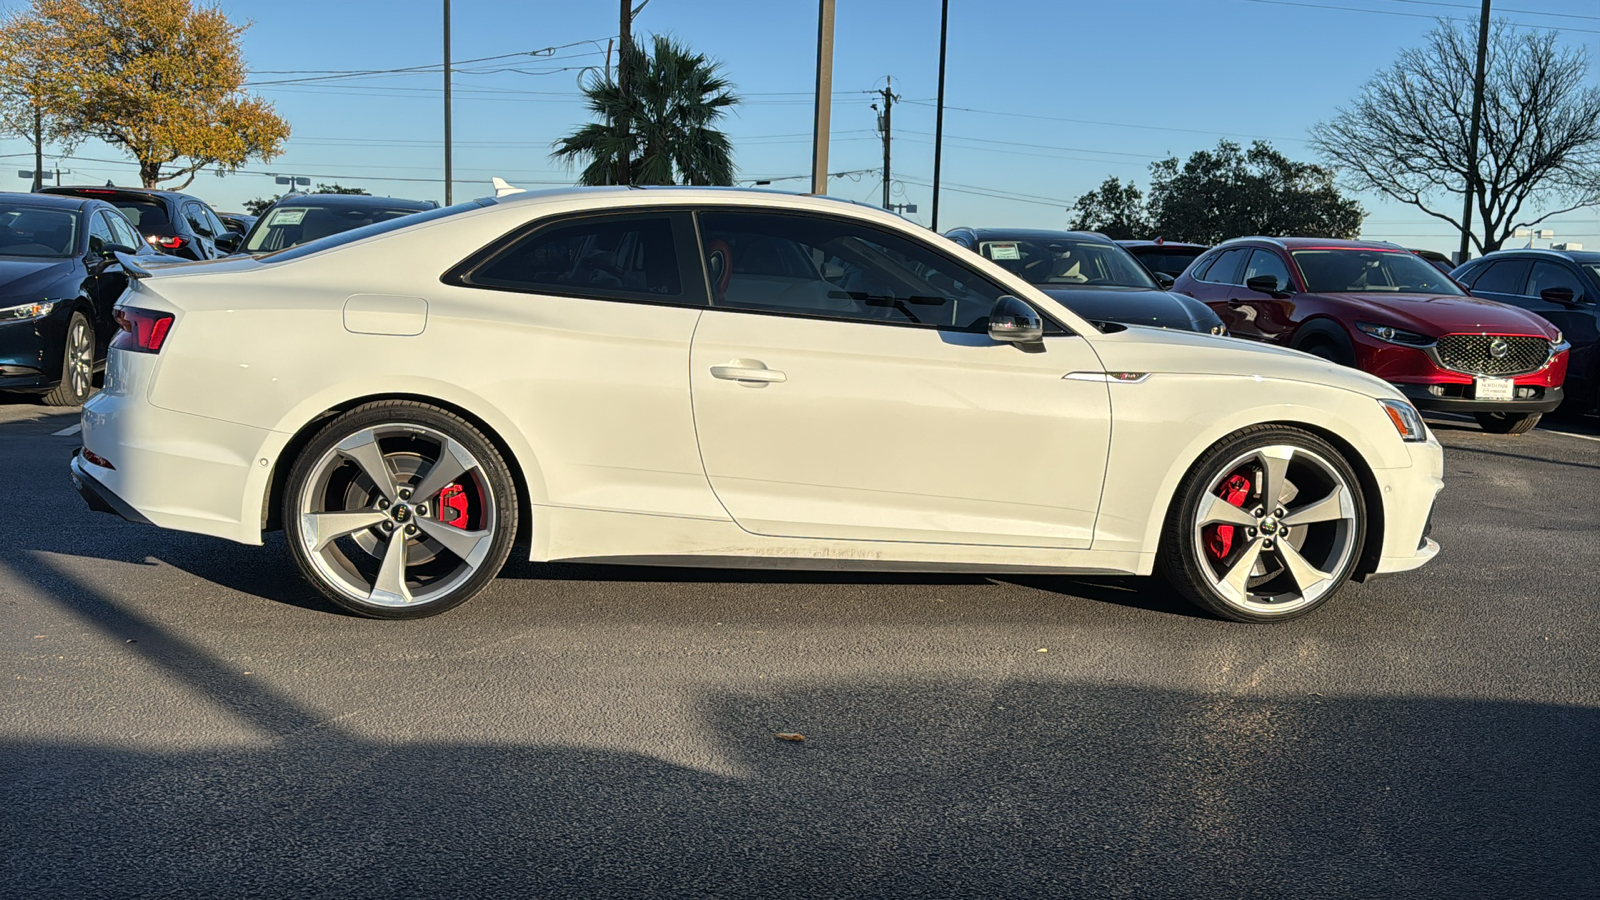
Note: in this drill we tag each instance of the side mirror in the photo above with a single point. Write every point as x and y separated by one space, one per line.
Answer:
110 250
1265 284
1165 280
228 241
1561 295
1014 321
832 271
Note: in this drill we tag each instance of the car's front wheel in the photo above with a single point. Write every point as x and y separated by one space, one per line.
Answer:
77 365
1266 526
1507 423
399 510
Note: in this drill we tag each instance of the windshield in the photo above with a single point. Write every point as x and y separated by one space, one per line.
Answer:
1341 271
1170 261
1068 262
38 231
290 226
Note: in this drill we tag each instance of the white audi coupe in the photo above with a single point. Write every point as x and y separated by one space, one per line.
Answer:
729 378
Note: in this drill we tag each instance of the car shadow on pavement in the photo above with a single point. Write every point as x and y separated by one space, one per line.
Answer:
1029 786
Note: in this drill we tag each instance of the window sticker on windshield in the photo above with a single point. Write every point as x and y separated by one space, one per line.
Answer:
286 217
1001 250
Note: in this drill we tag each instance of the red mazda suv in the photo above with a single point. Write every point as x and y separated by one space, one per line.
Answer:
1380 308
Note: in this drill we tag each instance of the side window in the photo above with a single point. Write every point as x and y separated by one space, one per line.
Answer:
1505 276
123 231
212 222
99 233
197 219
1470 273
1225 269
624 257
1265 262
1547 275
808 265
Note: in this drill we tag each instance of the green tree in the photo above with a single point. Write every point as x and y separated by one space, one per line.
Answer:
675 99
1538 154
1114 209
1229 192
261 204
162 79
30 80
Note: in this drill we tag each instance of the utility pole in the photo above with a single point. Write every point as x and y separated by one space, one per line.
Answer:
449 178
886 126
824 101
938 119
1472 140
38 147
624 47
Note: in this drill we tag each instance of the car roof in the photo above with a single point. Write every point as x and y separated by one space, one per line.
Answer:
1583 256
49 201
101 191
351 201
1179 245
1316 243
1034 234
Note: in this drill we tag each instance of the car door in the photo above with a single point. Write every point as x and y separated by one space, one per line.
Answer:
589 318
1215 284
845 387
110 278
1577 319
205 235
1265 316
1504 280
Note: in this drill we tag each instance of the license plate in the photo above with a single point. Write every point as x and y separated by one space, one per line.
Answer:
1491 388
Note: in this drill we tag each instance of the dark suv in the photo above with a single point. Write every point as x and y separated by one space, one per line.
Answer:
1562 286
171 222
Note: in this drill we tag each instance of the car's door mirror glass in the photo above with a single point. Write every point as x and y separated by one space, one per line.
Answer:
1165 280
1562 295
1014 321
229 241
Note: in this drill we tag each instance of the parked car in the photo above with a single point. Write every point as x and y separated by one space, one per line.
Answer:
1167 258
699 376
299 218
238 223
1089 273
1380 308
172 223
1562 286
1436 259
58 283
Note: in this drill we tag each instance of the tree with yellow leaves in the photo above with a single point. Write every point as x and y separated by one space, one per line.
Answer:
163 79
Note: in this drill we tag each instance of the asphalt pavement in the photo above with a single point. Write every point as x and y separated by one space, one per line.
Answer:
183 717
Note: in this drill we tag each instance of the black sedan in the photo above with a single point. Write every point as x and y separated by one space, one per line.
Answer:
1563 286
299 218
58 282
1091 274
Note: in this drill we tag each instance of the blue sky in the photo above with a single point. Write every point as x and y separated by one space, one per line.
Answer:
1045 99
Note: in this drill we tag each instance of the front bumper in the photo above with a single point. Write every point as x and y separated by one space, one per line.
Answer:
1458 399
1408 497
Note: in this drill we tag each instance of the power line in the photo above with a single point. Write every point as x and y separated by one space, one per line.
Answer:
1524 12
992 112
1409 15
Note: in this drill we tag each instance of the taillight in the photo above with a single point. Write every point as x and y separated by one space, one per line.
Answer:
167 243
143 330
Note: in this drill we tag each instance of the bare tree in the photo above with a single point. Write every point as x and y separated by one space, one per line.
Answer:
1406 134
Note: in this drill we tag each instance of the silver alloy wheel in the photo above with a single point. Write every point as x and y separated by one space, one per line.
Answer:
80 358
1289 537
375 522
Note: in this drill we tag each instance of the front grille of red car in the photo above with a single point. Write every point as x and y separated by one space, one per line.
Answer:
1492 354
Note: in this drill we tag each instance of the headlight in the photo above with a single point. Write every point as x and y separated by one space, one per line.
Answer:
26 311
1394 335
1406 420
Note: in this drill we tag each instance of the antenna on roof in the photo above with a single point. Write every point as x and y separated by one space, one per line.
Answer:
502 188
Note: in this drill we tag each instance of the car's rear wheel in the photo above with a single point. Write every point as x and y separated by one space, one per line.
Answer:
77 365
1267 526
399 510
1507 423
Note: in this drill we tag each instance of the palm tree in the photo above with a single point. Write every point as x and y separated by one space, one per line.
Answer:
675 98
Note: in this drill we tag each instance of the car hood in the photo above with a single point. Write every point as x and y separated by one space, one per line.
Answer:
1133 306
1436 314
26 280
1160 351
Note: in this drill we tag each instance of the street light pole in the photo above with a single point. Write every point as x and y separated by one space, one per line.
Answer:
938 119
449 177
824 101
1472 139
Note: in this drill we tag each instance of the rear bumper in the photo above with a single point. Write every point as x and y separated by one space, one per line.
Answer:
99 497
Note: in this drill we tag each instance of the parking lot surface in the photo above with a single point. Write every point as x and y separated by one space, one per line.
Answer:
183 716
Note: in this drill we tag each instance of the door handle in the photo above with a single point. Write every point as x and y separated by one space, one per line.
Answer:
752 371
1235 304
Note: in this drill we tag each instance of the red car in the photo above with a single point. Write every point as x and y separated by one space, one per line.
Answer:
1380 308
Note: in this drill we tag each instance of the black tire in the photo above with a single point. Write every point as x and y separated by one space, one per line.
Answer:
1326 348
77 380
412 421
1180 559
1507 423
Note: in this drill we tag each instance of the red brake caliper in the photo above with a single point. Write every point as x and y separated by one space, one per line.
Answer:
452 506
1219 538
